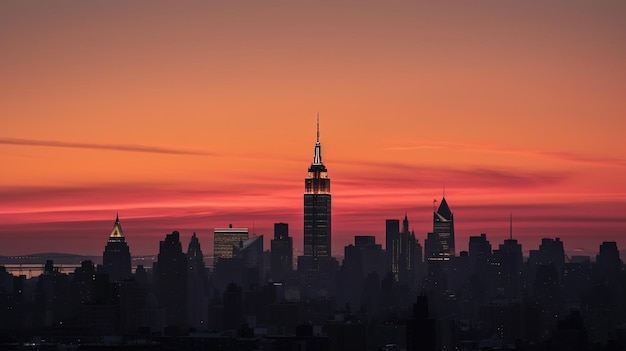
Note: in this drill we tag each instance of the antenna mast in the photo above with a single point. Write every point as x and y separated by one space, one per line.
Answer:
318 127
511 226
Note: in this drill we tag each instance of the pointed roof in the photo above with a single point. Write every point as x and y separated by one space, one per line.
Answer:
250 241
117 231
444 209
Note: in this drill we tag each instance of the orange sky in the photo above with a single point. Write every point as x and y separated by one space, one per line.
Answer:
189 117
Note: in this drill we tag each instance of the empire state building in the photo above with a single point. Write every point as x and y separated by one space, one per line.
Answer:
317 222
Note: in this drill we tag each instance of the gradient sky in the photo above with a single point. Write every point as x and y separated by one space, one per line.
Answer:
193 116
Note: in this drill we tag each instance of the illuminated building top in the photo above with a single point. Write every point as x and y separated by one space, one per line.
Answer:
117 231
224 239
317 181
317 160
116 255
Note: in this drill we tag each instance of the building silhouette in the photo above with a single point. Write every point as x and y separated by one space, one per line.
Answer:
608 262
421 328
171 281
224 239
510 260
317 267
393 249
116 255
282 252
439 245
317 210
197 286
250 253
404 253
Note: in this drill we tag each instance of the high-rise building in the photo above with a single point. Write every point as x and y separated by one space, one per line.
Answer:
282 252
393 249
404 254
440 243
479 252
171 280
317 267
197 286
251 252
116 255
370 255
511 263
224 239
317 213
608 262
550 252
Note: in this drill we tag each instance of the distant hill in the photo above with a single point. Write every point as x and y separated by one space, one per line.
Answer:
57 257
60 258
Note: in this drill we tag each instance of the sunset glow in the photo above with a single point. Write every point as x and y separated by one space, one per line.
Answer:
190 117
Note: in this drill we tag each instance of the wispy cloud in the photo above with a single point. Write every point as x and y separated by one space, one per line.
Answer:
394 175
492 149
110 147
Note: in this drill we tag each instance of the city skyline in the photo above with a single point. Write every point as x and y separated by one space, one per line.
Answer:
184 121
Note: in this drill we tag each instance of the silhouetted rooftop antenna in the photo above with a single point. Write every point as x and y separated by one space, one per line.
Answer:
434 204
318 126
317 160
511 226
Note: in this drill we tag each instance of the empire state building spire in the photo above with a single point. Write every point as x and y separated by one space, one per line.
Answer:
317 160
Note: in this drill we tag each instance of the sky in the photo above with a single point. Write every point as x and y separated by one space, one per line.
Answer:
195 115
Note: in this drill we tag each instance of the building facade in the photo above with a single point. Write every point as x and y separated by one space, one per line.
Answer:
282 252
170 272
224 239
317 207
439 244
116 255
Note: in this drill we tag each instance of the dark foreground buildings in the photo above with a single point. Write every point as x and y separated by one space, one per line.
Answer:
170 272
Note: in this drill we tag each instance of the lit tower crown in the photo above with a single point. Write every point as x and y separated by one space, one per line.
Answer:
317 218
116 255
317 181
117 233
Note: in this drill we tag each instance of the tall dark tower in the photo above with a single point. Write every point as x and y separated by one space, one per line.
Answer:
197 285
317 241
116 255
441 241
282 252
170 273
392 236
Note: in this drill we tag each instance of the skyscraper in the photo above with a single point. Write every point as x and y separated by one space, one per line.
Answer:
171 280
608 262
317 215
392 236
440 243
404 253
116 255
197 286
282 252
224 239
